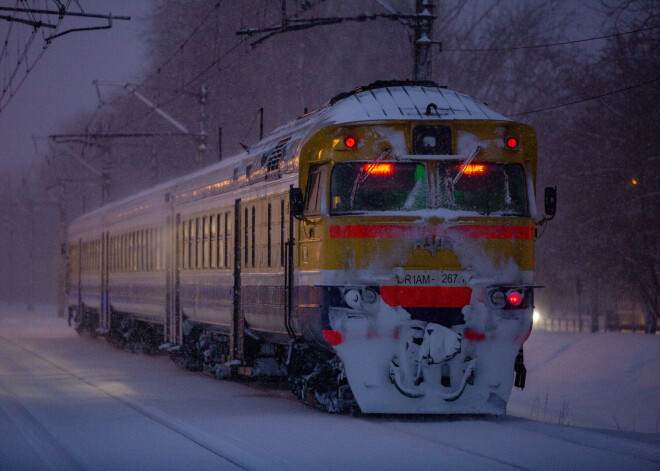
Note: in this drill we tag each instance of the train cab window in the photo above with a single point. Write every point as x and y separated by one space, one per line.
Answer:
486 188
432 140
378 186
315 195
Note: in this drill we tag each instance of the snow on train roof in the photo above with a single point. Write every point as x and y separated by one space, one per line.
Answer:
409 102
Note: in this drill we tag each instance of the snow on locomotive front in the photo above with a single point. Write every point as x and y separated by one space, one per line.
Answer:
416 249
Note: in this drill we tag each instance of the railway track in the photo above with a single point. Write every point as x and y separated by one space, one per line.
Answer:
231 452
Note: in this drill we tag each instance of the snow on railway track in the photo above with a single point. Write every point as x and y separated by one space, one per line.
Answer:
82 404
231 451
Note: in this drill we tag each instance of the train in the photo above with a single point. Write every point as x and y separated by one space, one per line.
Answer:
377 252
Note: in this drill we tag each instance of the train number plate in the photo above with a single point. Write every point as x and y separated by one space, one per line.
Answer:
430 278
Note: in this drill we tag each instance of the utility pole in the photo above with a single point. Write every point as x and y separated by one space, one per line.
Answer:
202 137
421 24
422 40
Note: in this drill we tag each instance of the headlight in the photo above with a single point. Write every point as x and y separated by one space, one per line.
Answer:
353 298
498 299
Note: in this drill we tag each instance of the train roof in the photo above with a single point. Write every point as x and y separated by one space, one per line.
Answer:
407 100
379 101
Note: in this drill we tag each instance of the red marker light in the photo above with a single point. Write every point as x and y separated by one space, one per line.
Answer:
514 298
333 337
350 142
382 170
512 143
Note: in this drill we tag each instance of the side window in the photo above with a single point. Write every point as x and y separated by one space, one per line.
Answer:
186 246
227 237
213 241
206 248
315 195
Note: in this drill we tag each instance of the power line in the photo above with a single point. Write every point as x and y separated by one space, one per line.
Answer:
535 46
179 49
218 60
587 99
8 86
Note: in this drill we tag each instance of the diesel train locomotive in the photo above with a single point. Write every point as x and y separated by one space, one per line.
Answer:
377 252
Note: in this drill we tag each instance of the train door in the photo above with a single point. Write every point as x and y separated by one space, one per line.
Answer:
78 276
238 320
104 308
173 331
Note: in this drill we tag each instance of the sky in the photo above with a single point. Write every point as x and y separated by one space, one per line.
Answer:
60 85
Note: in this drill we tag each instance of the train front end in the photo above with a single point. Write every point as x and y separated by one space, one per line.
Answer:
416 254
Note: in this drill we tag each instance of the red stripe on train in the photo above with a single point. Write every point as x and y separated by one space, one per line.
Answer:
399 231
426 296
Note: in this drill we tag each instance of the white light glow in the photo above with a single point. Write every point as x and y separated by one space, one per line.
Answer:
536 316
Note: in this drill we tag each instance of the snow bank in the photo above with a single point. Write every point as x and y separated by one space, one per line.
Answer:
604 380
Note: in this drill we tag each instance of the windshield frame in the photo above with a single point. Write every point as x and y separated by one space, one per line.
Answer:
522 198
425 184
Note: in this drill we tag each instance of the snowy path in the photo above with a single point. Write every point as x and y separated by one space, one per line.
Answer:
77 403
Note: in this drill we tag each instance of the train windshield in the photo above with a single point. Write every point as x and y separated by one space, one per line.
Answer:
487 188
378 186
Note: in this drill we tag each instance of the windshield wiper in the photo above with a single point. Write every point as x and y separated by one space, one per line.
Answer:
363 175
467 162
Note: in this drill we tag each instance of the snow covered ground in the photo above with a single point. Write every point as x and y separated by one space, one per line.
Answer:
68 402
605 380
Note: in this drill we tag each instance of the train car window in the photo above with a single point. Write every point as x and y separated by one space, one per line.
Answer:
200 244
282 233
213 242
245 239
314 195
186 247
227 233
205 242
191 243
147 250
372 186
159 249
252 248
152 249
138 250
135 251
486 188
432 140
270 220
220 249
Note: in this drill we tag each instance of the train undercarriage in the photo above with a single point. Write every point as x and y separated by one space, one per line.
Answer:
317 377
409 366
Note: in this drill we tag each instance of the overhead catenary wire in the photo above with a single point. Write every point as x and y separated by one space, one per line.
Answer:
612 92
7 87
6 42
215 62
561 43
159 69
